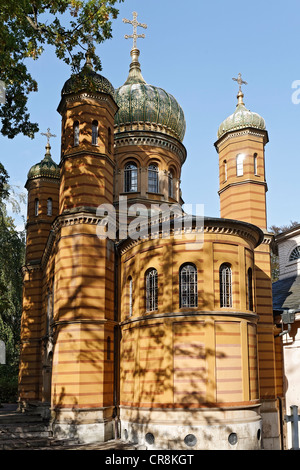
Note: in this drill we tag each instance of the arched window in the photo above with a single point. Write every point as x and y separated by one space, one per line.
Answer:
225 285
49 206
130 177
108 344
151 290
130 289
109 140
170 184
36 207
188 286
255 163
250 291
153 178
295 254
95 133
240 165
76 133
225 170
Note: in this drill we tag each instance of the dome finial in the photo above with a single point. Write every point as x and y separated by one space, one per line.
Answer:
88 62
135 24
135 74
240 94
48 146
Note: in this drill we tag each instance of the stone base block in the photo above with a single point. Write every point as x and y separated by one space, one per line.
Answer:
86 426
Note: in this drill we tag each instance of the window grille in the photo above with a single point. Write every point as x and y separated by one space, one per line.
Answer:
295 254
153 179
49 206
250 292
188 286
76 133
95 133
130 177
225 286
151 290
240 165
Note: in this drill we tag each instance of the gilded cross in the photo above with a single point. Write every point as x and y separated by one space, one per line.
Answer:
48 134
135 24
240 81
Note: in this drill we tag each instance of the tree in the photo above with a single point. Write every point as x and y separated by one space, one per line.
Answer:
12 252
26 27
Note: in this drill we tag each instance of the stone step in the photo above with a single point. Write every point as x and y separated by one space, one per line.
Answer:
14 444
10 431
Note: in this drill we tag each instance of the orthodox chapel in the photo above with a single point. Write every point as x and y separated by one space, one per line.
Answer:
164 341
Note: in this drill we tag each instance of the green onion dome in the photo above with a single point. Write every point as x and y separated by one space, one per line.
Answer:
47 168
87 79
241 119
147 107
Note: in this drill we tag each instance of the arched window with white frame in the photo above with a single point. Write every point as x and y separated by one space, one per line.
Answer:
188 284
240 165
151 290
295 254
225 274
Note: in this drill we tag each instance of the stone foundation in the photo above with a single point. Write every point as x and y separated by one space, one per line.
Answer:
213 429
86 426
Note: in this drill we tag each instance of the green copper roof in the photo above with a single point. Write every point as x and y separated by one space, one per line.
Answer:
241 119
47 168
141 103
87 79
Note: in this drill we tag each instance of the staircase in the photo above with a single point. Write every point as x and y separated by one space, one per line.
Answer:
28 430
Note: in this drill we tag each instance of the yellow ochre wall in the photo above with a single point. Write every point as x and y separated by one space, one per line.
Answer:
195 357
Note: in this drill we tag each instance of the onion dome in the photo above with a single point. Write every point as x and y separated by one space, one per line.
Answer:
47 168
87 79
241 119
147 107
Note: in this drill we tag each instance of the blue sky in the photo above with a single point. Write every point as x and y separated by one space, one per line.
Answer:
193 49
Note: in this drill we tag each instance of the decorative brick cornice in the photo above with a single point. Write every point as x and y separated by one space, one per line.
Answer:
153 139
242 133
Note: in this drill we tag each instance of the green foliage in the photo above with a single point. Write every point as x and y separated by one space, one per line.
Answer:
8 384
12 252
26 27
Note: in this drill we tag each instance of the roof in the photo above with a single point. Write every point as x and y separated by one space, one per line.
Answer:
286 293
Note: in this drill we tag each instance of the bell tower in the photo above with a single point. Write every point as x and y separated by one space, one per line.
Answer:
242 180
242 189
83 315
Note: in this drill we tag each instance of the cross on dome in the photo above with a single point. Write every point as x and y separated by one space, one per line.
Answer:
135 24
48 135
240 81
